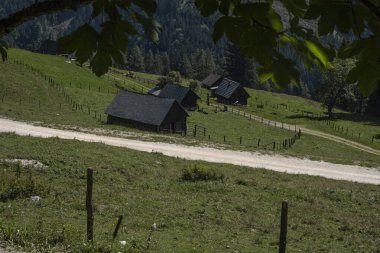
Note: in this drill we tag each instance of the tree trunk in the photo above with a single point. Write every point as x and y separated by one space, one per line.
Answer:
329 111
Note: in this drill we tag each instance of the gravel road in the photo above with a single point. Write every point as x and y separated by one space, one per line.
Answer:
249 159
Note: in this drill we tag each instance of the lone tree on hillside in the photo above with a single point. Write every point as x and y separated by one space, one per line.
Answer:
260 29
335 88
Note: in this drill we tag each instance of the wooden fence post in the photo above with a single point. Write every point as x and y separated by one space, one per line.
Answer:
284 226
89 207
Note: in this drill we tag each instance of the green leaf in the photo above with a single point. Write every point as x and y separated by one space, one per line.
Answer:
3 53
227 6
276 21
207 7
220 27
152 27
367 75
82 42
296 7
3 44
265 75
101 61
98 7
148 6
282 71
319 53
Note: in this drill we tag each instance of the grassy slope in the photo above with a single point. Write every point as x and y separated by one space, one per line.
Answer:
366 126
288 109
240 214
97 93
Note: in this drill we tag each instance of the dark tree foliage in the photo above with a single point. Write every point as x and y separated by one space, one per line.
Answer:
373 107
239 68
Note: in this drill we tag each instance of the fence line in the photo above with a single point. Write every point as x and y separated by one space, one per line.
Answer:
201 131
61 90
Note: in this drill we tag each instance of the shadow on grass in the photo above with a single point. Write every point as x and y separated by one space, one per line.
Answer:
370 121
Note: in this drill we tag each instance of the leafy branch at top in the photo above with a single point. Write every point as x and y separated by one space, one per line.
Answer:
257 28
262 30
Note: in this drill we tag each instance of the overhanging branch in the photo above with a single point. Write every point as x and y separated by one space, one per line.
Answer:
8 24
372 7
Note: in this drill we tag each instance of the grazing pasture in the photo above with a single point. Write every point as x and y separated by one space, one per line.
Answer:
196 206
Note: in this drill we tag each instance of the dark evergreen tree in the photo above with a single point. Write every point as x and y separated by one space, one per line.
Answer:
135 59
186 67
149 62
373 107
158 65
239 68
165 63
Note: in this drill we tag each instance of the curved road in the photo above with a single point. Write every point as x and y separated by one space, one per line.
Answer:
330 137
254 160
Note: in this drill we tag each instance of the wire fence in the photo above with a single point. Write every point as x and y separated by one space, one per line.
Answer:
60 90
200 131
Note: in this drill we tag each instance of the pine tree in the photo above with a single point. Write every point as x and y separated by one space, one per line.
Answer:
135 59
199 62
158 66
165 64
239 68
149 62
209 67
186 67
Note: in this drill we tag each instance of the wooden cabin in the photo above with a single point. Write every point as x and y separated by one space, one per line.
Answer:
212 81
231 92
148 112
183 95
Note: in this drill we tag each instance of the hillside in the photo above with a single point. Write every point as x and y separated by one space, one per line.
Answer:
196 206
77 100
228 208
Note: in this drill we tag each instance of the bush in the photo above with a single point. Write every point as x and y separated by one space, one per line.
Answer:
201 174
175 76
194 85
15 185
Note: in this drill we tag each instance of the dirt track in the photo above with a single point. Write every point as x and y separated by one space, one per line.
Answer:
254 160
331 137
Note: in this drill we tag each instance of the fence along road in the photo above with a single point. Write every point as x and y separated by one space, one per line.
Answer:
249 159
304 130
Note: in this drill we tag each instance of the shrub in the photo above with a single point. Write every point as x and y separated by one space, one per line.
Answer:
16 185
194 85
201 174
175 76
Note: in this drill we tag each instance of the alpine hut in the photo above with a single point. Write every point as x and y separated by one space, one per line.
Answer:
212 81
231 92
144 111
184 95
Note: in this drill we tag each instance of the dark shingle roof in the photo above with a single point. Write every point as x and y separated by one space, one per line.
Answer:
175 91
155 91
140 107
212 80
227 88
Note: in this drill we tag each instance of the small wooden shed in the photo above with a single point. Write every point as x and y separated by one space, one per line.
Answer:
184 95
212 81
231 92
